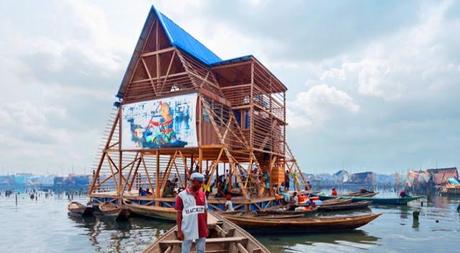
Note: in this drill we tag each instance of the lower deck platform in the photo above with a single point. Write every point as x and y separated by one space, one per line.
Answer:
214 204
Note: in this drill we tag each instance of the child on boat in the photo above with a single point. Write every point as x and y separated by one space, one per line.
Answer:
228 204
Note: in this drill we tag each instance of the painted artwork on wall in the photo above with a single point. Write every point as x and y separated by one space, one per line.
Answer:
160 123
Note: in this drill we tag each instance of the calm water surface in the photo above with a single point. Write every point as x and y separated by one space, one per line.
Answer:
44 226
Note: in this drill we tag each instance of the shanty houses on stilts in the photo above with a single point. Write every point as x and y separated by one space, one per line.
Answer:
181 108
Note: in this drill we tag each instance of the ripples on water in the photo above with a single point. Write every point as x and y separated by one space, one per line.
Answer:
44 226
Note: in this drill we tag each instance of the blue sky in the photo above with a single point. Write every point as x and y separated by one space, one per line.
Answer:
373 85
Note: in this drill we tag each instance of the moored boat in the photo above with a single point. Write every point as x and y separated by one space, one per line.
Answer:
157 212
346 206
387 201
361 194
224 236
112 210
268 214
298 211
332 202
323 197
346 196
304 224
77 209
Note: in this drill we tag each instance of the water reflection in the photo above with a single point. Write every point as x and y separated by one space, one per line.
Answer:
356 239
108 235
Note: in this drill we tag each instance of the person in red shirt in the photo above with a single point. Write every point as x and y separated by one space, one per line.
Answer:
334 192
192 222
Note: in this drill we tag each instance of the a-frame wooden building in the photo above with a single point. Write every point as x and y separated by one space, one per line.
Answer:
225 118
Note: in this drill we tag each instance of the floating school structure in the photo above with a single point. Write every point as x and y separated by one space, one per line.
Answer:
181 109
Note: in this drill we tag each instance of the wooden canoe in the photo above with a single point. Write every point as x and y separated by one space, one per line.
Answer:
305 224
285 212
387 201
361 194
157 212
332 202
224 236
346 206
327 197
77 209
268 215
109 209
345 196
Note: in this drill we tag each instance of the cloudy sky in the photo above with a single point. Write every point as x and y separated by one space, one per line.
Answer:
373 85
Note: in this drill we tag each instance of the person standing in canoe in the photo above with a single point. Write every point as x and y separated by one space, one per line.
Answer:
192 216
334 192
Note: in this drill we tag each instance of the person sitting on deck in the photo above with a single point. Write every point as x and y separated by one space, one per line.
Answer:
403 194
294 203
169 189
147 192
266 178
141 191
174 182
220 191
334 192
302 198
228 207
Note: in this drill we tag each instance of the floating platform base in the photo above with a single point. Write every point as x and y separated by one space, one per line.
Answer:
163 208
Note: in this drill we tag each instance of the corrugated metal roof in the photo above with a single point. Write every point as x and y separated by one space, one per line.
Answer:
233 60
179 38
183 40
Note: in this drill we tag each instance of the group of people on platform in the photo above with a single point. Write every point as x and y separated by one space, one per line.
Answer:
257 183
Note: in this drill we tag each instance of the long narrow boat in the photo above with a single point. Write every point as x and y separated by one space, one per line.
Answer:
157 212
346 206
305 224
387 201
77 209
224 236
327 197
298 212
361 194
268 214
346 196
332 202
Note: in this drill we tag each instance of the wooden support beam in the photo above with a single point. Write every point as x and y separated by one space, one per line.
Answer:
101 160
147 172
134 174
120 157
150 77
157 176
158 78
169 68
161 51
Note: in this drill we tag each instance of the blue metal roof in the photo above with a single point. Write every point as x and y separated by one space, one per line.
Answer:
233 60
179 38
183 40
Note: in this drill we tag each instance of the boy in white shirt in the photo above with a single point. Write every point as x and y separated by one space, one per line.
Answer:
228 204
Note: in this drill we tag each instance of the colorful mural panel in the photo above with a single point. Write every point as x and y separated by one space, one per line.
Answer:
160 123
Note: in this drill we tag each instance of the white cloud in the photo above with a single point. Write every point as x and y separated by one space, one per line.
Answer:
318 104
413 62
